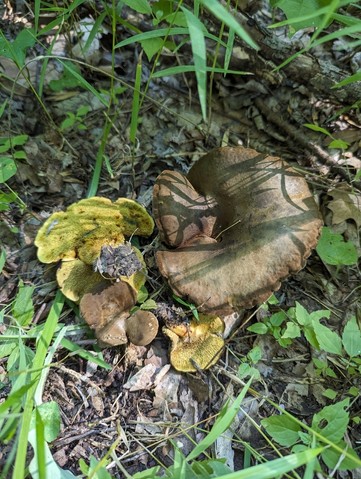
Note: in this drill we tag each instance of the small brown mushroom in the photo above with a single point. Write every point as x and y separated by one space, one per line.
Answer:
197 345
239 223
141 327
106 309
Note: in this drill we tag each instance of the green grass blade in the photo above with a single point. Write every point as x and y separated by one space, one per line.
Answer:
229 48
136 102
223 14
86 85
161 32
198 44
40 445
2 259
222 423
351 79
41 350
191 68
74 348
94 182
277 467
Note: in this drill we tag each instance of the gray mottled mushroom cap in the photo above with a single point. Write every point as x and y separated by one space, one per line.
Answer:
240 222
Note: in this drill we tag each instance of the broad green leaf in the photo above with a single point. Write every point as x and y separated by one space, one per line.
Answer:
338 144
321 313
19 155
332 421
50 416
303 14
19 140
310 335
5 145
142 295
149 304
23 308
7 168
16 49
258 328
351 338
255 354
332 249
302 315
152 46
150 473
331 457
282 429
278 318
328 340
291 331
330 394
140 6
6 347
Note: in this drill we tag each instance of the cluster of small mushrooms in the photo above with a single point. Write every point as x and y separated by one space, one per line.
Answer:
233 228
98 268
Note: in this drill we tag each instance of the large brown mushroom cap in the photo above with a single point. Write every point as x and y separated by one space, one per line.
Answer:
253 221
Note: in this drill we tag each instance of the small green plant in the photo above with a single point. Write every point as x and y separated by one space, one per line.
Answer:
297 321
335 143
9 152
327 427
76 119
318 15
247 367
190 306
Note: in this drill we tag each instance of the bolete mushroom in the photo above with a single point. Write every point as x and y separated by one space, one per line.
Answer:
106 309
197 345
76 278
238 224
89 224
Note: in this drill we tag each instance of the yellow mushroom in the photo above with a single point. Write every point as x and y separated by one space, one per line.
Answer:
197 346
81 230
75 278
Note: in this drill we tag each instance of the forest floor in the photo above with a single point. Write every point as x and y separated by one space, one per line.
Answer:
141 403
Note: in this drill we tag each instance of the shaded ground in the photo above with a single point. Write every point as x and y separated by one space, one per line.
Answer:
141 403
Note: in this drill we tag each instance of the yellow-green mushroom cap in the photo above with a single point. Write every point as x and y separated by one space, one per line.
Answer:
198 346
76 278
81 230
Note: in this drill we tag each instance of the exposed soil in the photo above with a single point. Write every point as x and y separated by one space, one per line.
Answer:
137 406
